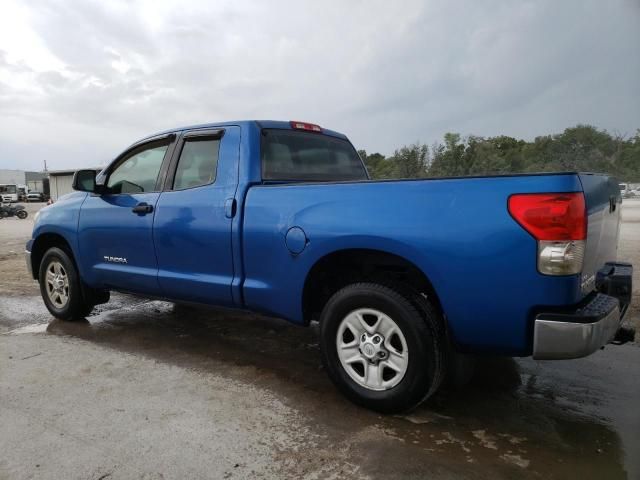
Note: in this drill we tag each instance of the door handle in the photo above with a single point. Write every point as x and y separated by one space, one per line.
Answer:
142 208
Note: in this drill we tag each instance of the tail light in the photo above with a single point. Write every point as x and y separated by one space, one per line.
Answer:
558 221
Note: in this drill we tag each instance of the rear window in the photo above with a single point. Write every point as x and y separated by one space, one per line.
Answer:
301 156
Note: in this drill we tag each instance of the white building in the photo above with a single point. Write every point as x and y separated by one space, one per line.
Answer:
60 183
17 177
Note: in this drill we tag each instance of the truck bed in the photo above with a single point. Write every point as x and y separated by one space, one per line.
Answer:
458 231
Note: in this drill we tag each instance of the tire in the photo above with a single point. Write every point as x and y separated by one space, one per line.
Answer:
417 352
460 367
59 278
22 214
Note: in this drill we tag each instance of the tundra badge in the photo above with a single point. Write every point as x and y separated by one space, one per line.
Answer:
114 259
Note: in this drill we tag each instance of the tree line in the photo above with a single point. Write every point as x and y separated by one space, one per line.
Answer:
581 148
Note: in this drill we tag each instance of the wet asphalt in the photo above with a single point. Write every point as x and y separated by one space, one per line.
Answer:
148 389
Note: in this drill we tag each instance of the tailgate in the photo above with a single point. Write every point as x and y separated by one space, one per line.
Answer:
603 201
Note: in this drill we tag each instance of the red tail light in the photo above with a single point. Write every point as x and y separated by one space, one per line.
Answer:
551 216
309 127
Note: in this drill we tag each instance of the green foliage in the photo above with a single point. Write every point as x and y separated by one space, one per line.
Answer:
580 148
410 161
378 165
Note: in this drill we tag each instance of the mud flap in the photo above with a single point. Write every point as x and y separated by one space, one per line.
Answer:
94 296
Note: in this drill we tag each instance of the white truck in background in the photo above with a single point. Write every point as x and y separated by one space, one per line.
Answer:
9 192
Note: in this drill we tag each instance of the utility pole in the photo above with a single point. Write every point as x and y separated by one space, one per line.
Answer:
45 166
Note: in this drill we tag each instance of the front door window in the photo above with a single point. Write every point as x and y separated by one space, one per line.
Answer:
139 172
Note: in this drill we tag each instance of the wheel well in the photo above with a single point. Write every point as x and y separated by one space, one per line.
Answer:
344 267
43 243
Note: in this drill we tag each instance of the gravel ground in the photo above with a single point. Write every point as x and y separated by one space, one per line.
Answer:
146 389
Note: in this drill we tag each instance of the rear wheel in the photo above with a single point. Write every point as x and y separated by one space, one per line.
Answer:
60 286
379 349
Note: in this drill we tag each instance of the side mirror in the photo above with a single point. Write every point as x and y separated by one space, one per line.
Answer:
85 181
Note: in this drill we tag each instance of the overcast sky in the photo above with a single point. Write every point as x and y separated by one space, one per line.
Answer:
80 80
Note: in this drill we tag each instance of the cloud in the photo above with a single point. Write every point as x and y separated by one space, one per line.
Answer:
80 80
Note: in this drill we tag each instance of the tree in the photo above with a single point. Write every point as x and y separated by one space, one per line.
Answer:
448 158
410 161
579 148
377 165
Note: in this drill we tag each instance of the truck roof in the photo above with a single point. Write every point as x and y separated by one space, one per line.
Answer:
281 124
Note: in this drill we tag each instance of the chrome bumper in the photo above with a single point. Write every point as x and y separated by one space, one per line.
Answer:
555 340
574 333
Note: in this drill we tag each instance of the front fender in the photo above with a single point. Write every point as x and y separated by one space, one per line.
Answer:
61 219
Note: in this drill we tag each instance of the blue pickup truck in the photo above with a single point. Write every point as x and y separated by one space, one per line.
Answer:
403 276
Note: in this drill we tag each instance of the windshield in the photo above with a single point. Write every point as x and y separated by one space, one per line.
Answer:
8 189
289 155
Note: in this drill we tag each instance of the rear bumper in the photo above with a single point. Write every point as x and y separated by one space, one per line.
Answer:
580 332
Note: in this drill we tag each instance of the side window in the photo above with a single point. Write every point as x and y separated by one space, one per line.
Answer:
198 163
139 172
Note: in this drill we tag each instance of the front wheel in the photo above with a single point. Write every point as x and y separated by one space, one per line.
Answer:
381 349
22 214
60 286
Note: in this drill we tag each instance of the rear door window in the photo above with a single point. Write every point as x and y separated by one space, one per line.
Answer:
198 163
289 155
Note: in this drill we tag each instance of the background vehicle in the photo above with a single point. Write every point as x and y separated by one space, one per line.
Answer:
626 190
403 276
35 197
8 210
8 192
